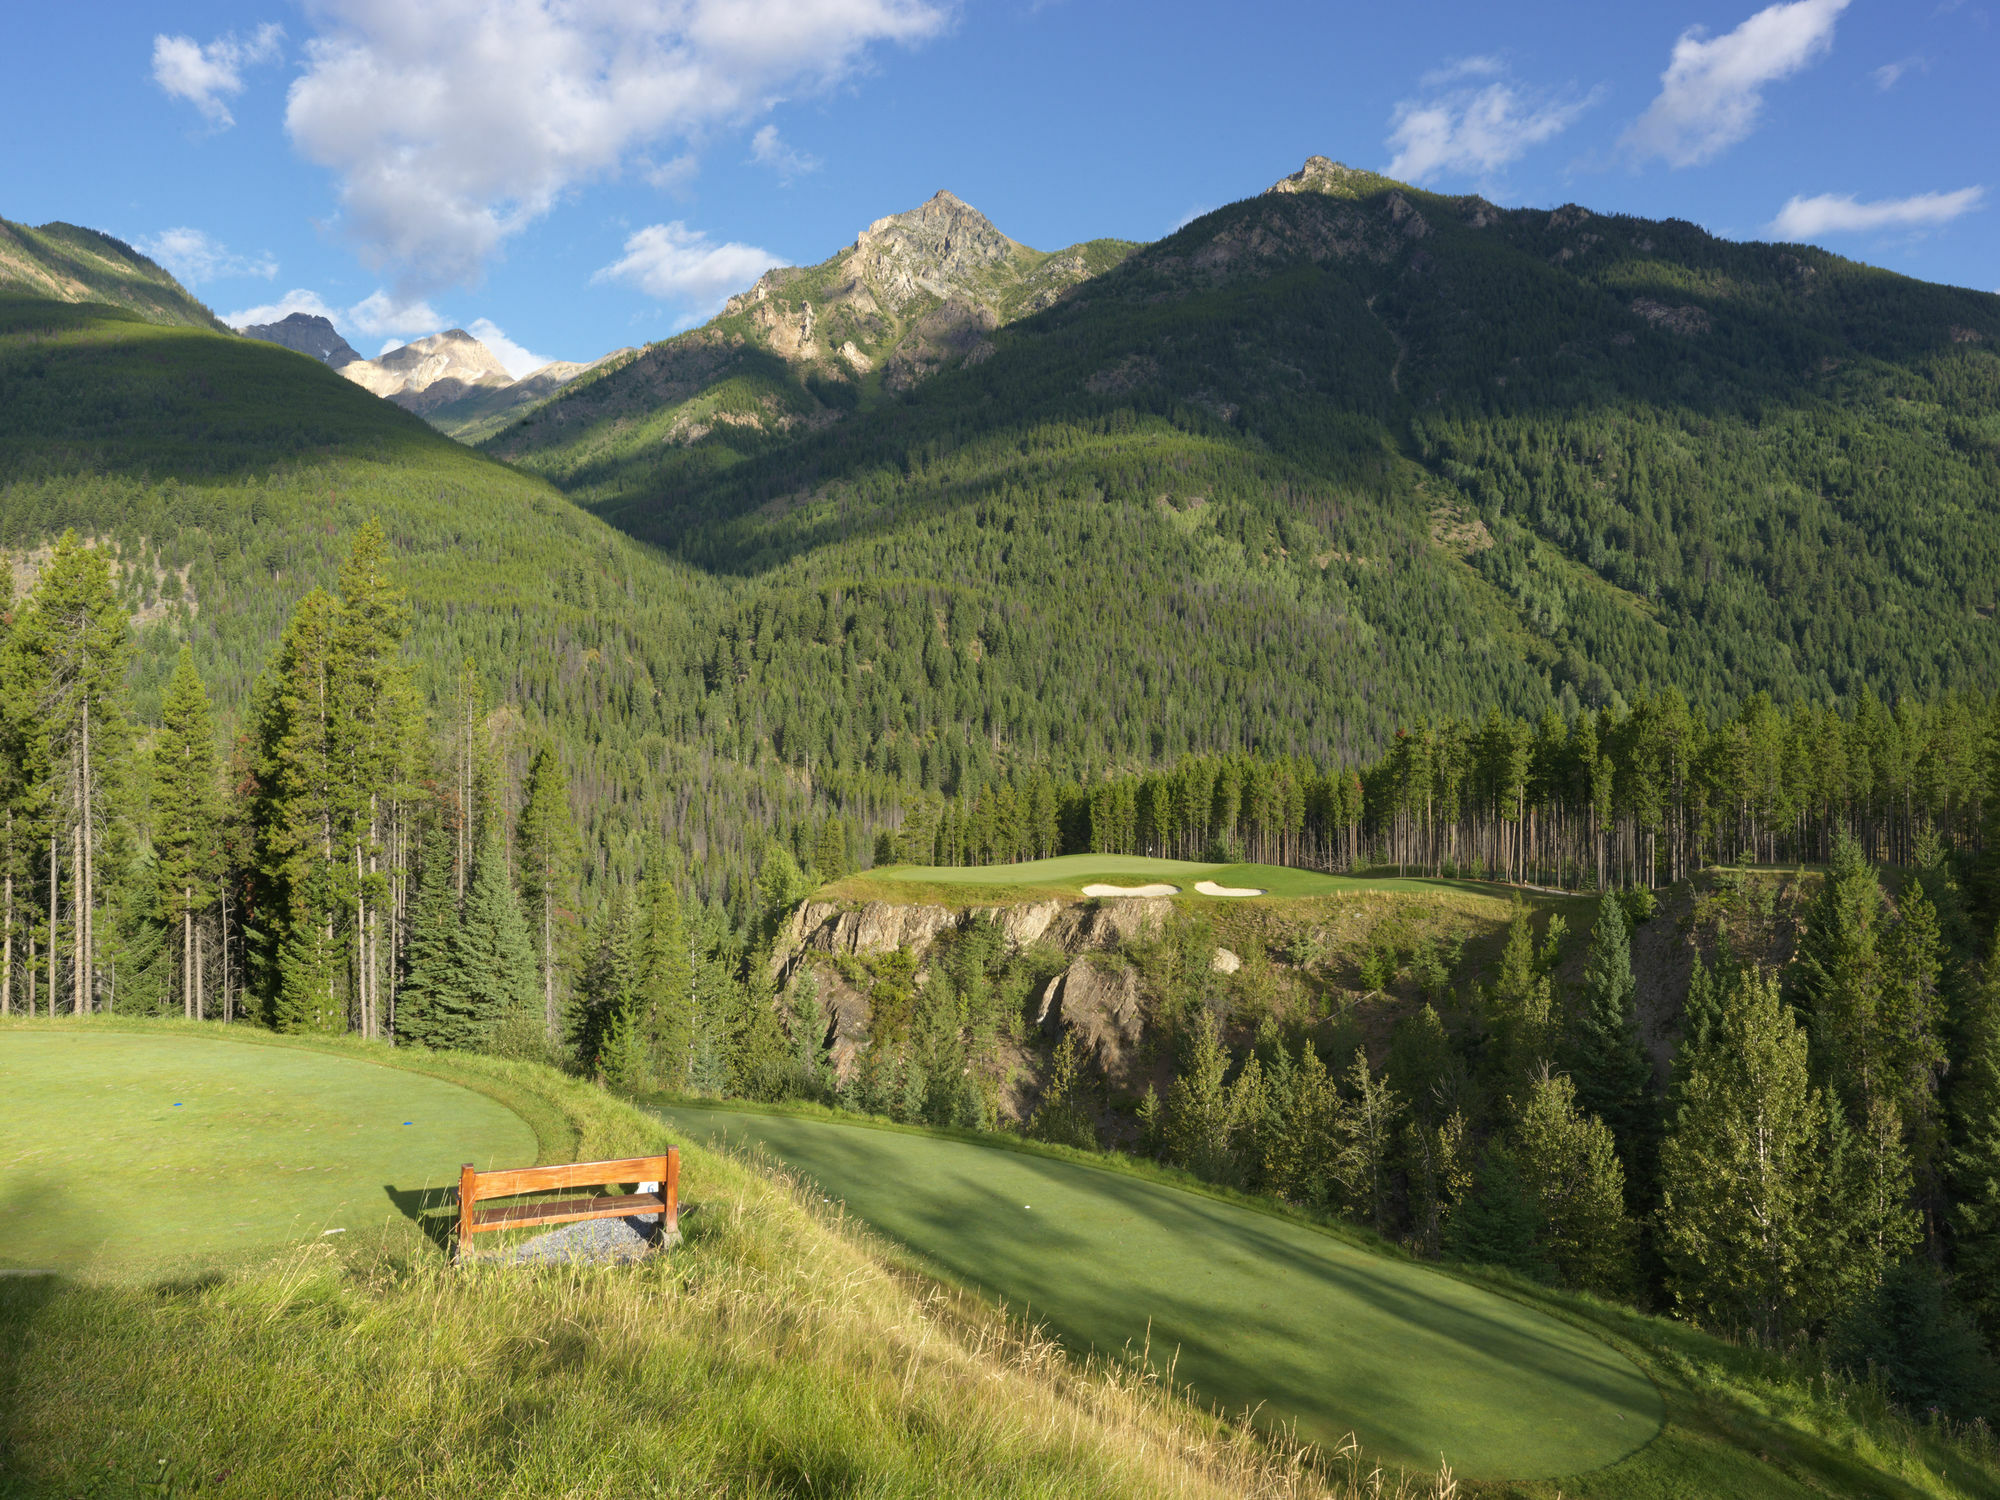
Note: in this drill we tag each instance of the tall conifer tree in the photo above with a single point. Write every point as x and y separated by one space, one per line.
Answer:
546 846
186 819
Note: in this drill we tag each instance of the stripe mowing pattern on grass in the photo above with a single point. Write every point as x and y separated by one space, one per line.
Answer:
1253 1310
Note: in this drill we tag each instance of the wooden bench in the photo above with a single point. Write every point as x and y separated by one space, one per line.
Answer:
662 1172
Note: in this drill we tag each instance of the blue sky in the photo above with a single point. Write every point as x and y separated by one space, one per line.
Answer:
568 176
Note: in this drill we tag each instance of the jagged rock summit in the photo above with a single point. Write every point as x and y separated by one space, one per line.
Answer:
1322 174
306 333
429 372
915 293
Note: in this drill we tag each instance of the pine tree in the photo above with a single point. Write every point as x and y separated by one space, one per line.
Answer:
1495 1223
1064 1115
1739 1169
431 1011
813 1072
1365 1136
493 960
71 642
186 816
1570 1170
1975 1163
546 845
830 850
1195 1119
1520 1009
1613 1077
298 815
663 985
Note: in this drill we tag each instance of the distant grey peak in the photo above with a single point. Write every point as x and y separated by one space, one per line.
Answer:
306 333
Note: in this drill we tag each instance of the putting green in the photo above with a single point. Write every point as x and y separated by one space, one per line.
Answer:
1074 871
1252 1310
124 1150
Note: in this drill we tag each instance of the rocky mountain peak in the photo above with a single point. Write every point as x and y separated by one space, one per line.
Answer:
1322 174
429 372
307 334
942 247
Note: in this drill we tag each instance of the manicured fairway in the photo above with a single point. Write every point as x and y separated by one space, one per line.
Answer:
1074 871
1263 1312
128 1150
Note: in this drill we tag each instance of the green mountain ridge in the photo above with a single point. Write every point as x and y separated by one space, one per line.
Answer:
1335 457
66 263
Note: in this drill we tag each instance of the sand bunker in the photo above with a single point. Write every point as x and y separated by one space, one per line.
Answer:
1210 888
1131 890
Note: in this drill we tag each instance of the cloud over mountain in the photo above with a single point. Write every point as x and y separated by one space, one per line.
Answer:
1834 213
208 75
452 125
672 263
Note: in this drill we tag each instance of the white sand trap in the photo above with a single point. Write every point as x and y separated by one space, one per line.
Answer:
1210 888
1131 890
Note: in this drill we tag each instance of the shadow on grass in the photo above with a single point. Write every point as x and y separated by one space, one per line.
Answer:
434 1210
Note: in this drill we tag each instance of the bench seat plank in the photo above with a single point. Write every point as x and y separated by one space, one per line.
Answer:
517 1215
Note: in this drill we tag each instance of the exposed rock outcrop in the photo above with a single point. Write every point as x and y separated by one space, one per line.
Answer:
883 926
309 334
1101 1005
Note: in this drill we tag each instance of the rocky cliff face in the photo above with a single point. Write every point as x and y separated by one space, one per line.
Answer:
882 927
306 334
427 374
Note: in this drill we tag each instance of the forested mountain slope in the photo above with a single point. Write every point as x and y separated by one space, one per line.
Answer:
229 477
70 264
1332 457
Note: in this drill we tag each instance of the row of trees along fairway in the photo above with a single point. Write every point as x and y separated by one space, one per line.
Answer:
1638 795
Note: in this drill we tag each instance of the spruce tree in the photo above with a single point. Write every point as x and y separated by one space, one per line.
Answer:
1365 1137
812 1070
546 846
1739 1169
1975 1162
493 960
1613 1077
663 1000
70 644
1195 1119
431 1011
186 815
1570 1169
1064 1116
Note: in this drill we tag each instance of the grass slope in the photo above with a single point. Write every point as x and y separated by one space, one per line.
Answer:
1739 1422
155 1150
775 1352
1256 1313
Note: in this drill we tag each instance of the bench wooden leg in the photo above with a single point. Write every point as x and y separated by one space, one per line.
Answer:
670 1215
468 1195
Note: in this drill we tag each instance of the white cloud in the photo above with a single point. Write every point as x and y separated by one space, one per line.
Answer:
296 300
1832 213
380 313
766 149
206 75
452 124
672 263
1474 130
1890 74
1713 89
518 361
194 257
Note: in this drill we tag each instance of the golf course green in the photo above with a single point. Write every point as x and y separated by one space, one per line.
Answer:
122 1151
1254 1311
1074 871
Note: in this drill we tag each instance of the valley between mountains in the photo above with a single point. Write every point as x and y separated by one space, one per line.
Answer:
1452 747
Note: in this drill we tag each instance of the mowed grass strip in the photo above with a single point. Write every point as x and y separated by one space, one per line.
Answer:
120 1152
1254 1311
1067 875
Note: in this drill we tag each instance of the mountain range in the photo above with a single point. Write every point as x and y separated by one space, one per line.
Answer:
943 508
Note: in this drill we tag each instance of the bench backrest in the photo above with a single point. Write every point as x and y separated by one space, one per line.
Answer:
663 1170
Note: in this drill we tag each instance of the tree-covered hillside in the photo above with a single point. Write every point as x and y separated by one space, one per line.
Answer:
70 264
228 478
1333 457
